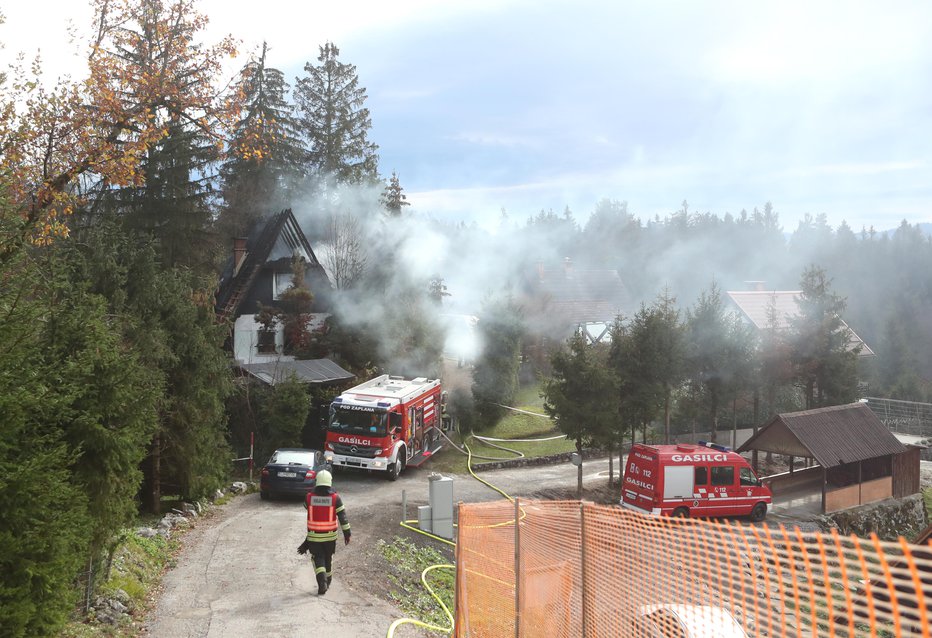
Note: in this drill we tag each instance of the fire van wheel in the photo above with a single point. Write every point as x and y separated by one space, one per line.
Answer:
681 512
758 513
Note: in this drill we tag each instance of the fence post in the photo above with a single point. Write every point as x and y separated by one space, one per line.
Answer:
517 571
252 436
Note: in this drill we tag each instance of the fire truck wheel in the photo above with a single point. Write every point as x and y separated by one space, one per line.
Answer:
681 512
394 470
758 513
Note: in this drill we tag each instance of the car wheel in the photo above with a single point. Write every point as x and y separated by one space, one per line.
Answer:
759 512
681 512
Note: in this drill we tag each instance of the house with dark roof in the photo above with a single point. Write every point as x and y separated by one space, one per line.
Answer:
857 459
258 271
754 306
565 300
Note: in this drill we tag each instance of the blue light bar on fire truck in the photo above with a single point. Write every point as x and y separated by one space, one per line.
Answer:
715 446
338 400
383 404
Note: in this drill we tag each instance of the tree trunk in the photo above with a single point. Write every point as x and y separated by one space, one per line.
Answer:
666 418
156 493
756 417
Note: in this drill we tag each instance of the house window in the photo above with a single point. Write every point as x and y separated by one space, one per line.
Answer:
281 281
266 342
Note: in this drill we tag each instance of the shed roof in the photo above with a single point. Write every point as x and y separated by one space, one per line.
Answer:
832 436
316 371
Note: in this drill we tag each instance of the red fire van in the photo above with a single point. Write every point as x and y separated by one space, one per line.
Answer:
692 480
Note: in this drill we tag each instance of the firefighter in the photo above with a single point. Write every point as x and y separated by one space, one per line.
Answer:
324 507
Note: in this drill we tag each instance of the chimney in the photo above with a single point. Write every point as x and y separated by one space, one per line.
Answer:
757 286
567 267
239 253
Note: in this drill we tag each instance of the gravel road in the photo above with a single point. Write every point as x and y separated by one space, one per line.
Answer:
239 574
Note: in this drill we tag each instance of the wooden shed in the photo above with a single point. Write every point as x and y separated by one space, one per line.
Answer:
858 460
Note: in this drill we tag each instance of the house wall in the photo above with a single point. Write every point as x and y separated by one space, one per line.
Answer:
246 339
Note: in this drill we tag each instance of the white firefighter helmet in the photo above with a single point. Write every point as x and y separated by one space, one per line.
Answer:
324 478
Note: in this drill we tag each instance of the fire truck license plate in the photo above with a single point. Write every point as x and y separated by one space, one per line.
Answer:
287 474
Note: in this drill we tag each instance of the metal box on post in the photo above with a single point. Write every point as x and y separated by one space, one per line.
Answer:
441 505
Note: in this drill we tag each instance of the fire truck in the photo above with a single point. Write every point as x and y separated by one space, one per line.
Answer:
386 424
692 480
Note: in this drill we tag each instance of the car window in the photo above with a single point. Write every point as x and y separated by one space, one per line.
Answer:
702 475
285 457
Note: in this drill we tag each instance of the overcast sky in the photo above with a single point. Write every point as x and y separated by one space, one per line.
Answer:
817 107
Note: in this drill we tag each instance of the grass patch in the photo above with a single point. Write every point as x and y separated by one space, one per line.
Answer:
406 562
513 425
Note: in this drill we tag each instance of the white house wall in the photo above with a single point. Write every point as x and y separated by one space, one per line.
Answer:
246 339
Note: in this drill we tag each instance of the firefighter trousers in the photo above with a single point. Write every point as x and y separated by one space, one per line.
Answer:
322 555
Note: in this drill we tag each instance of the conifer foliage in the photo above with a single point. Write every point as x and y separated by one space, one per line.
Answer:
264 160
335 121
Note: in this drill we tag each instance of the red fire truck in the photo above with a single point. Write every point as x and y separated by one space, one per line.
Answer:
692 480
385 424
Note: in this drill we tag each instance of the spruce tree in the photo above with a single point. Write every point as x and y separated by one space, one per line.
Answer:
576 395
824 361
264 157
393 199
335 121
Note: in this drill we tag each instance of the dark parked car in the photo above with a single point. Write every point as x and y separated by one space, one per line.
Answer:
291 471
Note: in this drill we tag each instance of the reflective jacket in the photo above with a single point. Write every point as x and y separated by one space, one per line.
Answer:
324 507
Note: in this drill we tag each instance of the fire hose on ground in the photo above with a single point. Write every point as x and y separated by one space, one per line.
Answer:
410 524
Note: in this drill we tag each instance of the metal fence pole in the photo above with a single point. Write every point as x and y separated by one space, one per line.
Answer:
582 553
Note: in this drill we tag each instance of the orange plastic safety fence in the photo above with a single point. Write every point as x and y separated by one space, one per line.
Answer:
584 570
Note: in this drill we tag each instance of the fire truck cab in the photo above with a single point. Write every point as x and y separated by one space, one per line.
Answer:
385 424
704 480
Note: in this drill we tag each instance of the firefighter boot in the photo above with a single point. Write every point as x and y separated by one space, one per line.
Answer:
321 584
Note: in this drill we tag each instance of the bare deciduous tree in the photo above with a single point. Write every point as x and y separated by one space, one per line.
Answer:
344 256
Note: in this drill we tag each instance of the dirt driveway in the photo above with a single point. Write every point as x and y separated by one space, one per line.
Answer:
239 574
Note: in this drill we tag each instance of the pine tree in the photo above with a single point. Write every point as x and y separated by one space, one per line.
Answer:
575 396
707 347
173 206
495 374
264 157
335 121
393 199
825 363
